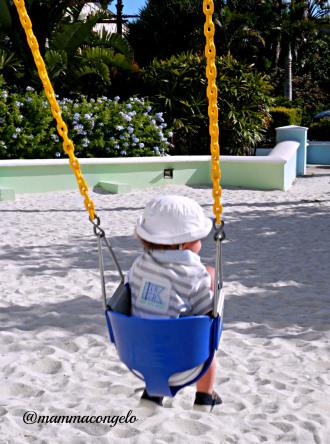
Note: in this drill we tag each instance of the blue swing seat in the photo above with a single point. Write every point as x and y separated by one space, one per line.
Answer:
158 348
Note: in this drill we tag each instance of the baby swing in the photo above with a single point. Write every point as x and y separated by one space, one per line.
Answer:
153 349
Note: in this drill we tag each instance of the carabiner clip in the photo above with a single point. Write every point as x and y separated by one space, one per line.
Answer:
219 231
96 227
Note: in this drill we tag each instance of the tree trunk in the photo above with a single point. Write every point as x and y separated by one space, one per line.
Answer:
288 75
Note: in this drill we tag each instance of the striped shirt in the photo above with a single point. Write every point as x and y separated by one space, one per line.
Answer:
169 283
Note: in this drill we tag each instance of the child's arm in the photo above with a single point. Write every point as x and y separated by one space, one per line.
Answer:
211 272
203 296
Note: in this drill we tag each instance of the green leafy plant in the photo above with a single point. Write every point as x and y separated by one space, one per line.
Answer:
178 87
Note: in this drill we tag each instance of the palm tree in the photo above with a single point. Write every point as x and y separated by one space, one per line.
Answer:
77 58
301 20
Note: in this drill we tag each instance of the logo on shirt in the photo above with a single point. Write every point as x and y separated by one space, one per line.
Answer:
155 295
151 293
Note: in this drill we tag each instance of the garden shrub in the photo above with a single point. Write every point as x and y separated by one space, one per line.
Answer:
178 87
280 116
319 130
98 127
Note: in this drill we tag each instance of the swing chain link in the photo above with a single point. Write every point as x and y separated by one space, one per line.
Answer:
62 128
212 94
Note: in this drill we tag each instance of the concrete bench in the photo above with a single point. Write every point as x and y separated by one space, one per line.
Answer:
114 187
7 194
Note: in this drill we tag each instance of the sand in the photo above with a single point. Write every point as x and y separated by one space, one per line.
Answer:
273 362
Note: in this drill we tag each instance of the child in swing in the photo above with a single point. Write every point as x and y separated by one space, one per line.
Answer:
171 230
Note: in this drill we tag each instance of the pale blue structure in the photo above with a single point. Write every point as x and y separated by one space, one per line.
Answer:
318 153
297 134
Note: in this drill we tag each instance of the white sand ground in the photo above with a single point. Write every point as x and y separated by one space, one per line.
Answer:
273 362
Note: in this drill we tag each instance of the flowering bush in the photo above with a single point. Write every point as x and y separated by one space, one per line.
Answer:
98 127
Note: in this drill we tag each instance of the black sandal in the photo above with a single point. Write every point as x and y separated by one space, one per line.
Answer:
156 399
207 399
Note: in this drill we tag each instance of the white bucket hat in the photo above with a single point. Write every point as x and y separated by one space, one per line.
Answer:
170 220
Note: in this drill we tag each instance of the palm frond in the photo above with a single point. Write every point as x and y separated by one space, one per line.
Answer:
100 70
57 63
9 62
113 40
108 56
70 36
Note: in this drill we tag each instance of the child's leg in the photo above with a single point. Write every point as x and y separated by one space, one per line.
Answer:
206 383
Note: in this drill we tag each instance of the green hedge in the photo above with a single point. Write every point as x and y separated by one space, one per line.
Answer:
280 116
98 127
319 130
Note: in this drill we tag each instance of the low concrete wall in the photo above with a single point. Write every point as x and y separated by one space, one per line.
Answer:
318 153
26 176
277 170
287 151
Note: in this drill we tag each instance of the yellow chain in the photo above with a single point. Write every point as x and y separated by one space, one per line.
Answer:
212 94
61 125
